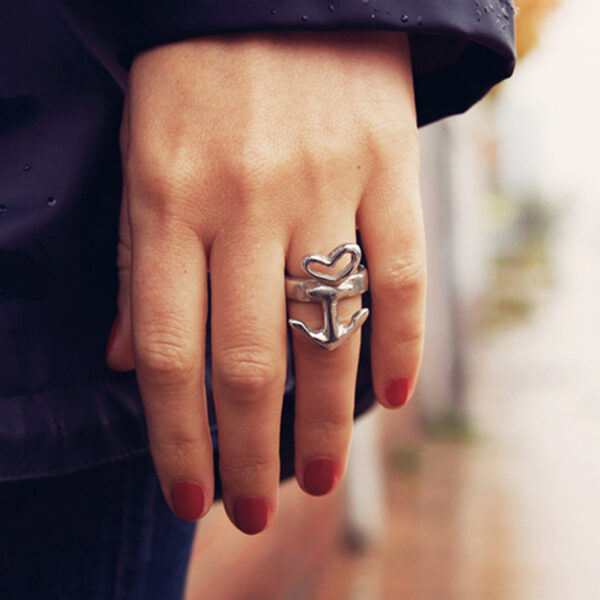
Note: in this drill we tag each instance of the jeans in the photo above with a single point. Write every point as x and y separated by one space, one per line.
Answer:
103 533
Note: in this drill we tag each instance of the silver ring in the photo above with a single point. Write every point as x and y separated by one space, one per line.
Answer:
328 289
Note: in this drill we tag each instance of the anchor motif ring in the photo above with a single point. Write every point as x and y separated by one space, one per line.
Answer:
328 289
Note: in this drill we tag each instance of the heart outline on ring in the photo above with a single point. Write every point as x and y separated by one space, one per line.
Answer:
330 260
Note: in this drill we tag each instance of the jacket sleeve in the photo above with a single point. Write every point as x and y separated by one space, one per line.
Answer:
459 48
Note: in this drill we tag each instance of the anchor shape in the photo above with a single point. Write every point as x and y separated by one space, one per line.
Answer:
329 290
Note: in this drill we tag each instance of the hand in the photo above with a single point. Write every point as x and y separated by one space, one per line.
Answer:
242 154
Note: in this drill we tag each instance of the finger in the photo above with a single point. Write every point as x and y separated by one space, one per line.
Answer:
119 348
325 380
391 226
169 320
248 361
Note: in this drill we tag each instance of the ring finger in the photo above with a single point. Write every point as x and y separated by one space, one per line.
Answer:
325 380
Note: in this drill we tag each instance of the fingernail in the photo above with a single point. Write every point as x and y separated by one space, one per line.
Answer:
251 514
396 392
113 334
320 475
187 499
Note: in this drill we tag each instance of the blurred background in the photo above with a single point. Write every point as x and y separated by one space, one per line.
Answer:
487 485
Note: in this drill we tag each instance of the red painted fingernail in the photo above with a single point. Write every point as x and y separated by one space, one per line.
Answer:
320 476
113 334
251 514
187 498
396 392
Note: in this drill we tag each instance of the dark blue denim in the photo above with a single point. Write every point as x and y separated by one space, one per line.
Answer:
104 533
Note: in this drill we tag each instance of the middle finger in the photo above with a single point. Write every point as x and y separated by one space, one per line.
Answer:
249 360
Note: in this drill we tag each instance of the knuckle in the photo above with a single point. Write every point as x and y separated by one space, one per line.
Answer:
394 141
123 254
178 448
160 180
411 340
165 358
402 279
245 370
322 432
259 164
249 465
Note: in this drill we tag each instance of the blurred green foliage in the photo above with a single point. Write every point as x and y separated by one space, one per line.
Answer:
521 266
406 459
450 426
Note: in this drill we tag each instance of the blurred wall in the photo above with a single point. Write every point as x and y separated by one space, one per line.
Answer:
457 167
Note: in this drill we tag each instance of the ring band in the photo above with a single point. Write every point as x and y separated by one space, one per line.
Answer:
328 289
299 289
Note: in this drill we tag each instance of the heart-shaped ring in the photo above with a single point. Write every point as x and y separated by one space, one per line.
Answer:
327 289
330 260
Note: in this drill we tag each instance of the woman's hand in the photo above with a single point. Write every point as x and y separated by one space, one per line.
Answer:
241 155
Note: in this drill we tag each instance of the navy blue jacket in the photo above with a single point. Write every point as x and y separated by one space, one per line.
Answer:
63 66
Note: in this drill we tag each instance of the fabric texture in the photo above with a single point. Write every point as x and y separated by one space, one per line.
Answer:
63 66
101 533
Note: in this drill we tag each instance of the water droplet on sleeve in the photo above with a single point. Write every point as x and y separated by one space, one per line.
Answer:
51 201
404 18
3 210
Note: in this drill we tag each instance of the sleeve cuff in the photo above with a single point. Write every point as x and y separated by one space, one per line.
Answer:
460 48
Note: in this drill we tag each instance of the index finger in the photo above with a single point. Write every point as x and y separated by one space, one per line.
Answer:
168 324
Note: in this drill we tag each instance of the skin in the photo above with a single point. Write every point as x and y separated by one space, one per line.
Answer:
242 154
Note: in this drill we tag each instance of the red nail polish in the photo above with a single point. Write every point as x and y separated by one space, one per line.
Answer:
396 392
187 498
251 514
320 476
113 334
